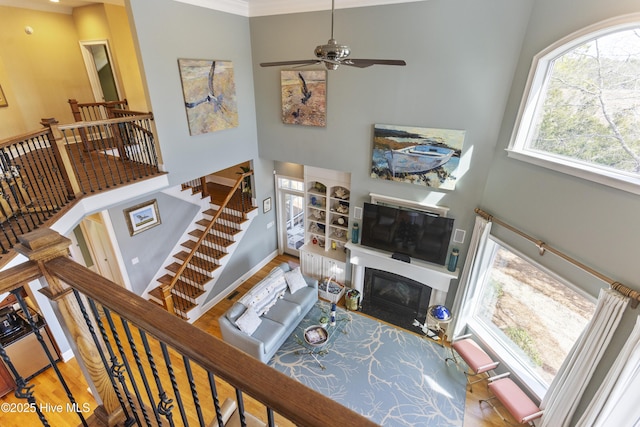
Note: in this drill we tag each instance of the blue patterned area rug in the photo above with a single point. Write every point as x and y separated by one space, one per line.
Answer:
390 376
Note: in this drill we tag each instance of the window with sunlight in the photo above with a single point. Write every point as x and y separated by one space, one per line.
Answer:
582 113
532 316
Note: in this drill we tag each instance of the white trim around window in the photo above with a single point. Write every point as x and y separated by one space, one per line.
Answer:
533 94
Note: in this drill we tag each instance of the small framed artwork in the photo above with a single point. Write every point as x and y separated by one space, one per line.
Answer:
266 205
3 100
142 217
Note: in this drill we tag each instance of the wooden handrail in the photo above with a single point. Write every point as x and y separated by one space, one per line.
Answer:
283 394
195 248
12 140
114 121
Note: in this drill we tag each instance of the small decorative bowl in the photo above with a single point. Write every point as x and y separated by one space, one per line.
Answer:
316 335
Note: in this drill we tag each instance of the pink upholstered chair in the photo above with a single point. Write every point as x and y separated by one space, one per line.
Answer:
478 361
519 405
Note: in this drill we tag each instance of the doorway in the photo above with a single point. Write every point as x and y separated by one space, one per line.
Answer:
290 199
99 63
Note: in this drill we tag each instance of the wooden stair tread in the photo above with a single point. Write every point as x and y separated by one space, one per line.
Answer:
231 231
157 293
216 240
225 216
208 251
191 274
197 261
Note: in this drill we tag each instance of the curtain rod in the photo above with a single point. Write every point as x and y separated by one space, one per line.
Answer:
543 247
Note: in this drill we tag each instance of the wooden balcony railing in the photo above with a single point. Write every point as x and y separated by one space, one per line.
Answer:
148 366
43 171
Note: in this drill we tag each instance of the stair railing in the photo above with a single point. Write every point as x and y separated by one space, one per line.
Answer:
146 366
188 278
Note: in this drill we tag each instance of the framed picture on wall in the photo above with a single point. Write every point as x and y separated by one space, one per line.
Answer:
3 100
142 217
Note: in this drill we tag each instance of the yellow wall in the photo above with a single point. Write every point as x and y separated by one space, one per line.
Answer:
110 22
41 71
38 72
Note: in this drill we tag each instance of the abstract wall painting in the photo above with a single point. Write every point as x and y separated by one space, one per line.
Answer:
416 155
304 97
209 93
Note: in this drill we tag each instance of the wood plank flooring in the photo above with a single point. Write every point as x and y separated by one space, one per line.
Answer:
47 391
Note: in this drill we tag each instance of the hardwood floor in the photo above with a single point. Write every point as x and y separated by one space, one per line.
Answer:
47 390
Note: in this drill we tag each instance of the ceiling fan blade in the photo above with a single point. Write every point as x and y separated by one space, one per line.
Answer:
363 63
298 62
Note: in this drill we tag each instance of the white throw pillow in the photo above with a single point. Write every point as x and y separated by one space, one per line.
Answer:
294 279
249 321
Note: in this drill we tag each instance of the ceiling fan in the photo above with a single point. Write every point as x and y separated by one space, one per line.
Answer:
333 55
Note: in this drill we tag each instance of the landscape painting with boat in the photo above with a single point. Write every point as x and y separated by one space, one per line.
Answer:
415 155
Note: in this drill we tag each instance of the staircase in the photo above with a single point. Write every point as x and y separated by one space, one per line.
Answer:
190 277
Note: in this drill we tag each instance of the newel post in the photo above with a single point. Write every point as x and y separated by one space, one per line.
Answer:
43 245
56 140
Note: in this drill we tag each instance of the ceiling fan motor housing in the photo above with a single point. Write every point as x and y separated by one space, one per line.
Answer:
332 50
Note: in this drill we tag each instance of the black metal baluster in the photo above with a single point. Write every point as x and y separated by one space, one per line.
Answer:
270 420
52 361
114 368
49 172
125 361
106 141
27 183
194 391
143 375
214 396
174 383
165 405
240 401
23 391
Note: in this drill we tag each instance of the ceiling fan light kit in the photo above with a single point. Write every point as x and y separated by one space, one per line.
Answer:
332 55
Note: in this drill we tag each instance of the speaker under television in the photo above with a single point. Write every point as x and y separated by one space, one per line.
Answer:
408 233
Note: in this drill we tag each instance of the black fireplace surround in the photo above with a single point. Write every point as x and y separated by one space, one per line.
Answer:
394 298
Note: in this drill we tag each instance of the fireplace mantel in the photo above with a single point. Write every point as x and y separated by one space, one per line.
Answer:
435 276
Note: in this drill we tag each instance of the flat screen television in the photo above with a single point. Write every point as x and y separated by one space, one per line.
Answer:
418 234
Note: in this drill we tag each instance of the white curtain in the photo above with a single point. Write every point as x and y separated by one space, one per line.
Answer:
562 398
469 276
616 402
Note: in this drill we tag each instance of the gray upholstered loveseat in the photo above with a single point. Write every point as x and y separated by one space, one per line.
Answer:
260 321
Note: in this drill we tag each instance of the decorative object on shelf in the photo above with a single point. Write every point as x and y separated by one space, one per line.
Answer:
304 97
320 187
142 217
209 92
342 208
420 156
341 193
266 205
453 259
333 245
340 221
355 233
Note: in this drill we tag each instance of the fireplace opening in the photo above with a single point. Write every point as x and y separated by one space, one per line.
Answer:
394 298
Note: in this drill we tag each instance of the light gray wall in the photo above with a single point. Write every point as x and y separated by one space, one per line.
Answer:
592 223
166 31
154 245
461 56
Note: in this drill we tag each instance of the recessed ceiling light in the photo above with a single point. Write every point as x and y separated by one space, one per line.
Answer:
54 1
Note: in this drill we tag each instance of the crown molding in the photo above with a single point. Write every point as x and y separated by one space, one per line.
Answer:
251 8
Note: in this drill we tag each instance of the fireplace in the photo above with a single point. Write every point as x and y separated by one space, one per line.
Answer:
394 298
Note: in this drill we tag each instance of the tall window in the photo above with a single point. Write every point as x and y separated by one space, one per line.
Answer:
527 315
582 112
